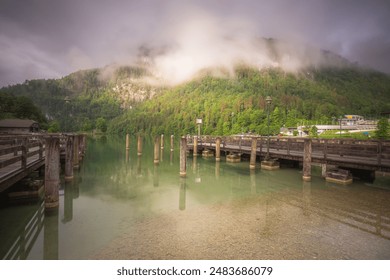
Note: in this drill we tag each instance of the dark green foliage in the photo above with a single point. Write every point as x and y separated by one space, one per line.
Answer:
383 131
20 107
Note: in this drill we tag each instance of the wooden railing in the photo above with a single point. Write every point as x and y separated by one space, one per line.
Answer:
372 152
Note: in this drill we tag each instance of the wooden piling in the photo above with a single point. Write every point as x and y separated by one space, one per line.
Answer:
172 140
252 164
156 150
69 158
307 150
52 173
139 145
76 153
162 142
127 141
218 149
183 156
195 146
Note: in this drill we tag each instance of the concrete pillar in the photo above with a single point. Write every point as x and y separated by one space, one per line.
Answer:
195 145
252 164
139 145
52 173
156 150
307 160
76 152
218 149
183 156
172 140
69 158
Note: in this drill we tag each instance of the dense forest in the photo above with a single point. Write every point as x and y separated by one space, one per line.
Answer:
125 103
237 105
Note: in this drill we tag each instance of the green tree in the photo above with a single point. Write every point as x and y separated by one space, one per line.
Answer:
383 128
54 126
101 124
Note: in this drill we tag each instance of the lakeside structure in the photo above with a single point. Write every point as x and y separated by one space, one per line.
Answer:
348 123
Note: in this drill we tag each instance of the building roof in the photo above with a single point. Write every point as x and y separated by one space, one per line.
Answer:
17 123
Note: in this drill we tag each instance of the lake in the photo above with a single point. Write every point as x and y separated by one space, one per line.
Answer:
130 208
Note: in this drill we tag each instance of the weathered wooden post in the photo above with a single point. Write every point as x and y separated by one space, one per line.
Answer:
195 146
172 140
76 152
252 164
324 169
156 150
69 158
162 142
127 141
307 160
52 172
139 145
218 149
183 156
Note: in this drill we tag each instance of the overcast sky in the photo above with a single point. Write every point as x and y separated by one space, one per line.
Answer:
52 38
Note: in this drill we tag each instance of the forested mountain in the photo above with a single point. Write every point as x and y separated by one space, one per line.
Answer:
128 101
235 105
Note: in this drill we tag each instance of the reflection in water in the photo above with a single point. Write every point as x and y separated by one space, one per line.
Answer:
50 237
182 196
232 212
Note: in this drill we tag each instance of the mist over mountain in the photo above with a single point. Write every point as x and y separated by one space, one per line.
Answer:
165 89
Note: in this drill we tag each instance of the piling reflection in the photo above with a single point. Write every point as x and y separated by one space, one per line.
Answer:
182 194
50 236
68 202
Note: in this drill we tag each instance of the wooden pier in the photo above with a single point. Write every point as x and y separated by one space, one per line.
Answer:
370 155
22 154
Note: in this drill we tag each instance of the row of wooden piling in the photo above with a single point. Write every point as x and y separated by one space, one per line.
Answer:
74 150
266 164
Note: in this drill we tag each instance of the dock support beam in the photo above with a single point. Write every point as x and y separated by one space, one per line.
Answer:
183 156
252 164
218 149
52 173
69 158
307 160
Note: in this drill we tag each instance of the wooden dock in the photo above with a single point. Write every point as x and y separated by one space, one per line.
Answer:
22 154
372 155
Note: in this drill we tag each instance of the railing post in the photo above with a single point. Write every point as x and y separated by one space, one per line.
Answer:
307 160
252 164
40 149
69 158
24 153
52 173
218 149
183 156
379 151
